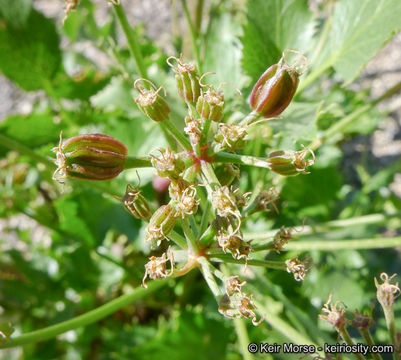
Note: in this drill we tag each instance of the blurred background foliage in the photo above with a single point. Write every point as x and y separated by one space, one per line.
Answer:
63 254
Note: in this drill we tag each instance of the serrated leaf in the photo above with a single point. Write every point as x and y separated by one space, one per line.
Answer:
359 30
16 12
30 55
272 27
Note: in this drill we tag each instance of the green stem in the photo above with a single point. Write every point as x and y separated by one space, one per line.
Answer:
339 126
85 319
348 340
332 245
189 234
250 118
192 31
210 176
277 265
205 218
198 16
231 158
170 140
178 239
132 41
243 338
369 341
327 226
179 136
24 150
207 271
283 327
133 162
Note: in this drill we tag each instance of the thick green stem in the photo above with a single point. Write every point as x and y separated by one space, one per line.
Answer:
189 234
207 271
250 118
243 338
277 265
339 126
24 150
347 338
170 139
354 244
133 162
192 32
178 135
328 226
369 341
132 41
85 319
231 158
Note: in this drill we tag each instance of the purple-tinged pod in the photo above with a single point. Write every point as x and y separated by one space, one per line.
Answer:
275 89
150 102
91 157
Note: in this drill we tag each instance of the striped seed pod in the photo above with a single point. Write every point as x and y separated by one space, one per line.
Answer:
135 203
290 163
187 77
276 87
90 157
160 224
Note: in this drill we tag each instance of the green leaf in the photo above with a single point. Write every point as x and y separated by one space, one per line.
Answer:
16 12
298 122
32 130
223 53
30 56
359 29
272 27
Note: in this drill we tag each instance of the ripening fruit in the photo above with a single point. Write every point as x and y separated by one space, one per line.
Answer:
90 157
275 89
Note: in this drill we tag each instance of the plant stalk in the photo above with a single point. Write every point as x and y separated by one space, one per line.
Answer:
132 41
85 319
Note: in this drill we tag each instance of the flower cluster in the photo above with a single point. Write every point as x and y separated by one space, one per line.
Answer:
197 177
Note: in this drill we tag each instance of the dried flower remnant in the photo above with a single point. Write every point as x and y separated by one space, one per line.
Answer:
156 267
281 238
297 268
335 314
168 164
223 200
187 204
193 130
386 292
360 321
70 5
234 286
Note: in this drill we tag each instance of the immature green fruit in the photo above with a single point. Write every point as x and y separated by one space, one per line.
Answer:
160 224
210 105
187 77
290 163
135 203
275 89
150 102
91 157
